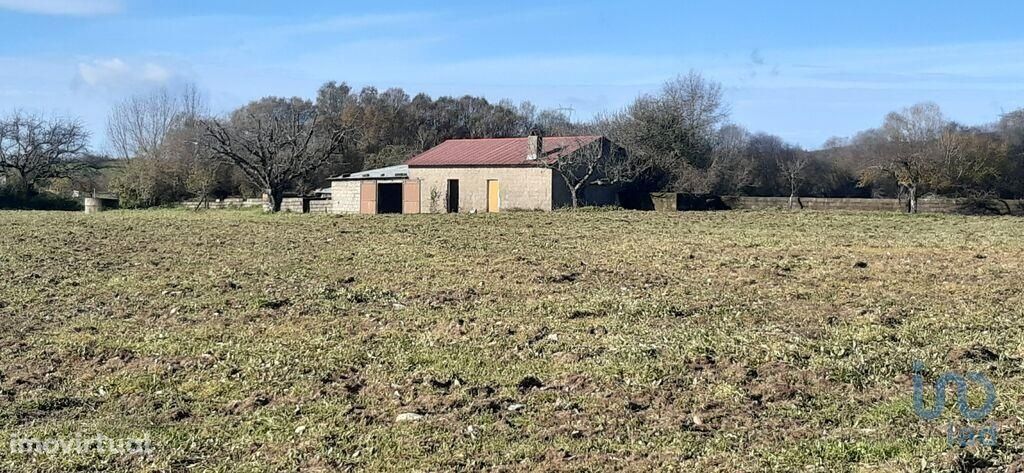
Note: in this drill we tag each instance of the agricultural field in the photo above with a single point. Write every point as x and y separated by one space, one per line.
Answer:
592 340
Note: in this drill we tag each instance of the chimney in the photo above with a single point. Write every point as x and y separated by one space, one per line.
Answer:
536 147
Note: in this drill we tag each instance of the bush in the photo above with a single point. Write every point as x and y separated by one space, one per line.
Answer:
149 182
11 200
983 206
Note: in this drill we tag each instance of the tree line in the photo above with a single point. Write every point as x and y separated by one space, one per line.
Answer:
169 147
682 140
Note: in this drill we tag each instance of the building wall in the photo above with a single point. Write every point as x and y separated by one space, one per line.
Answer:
526 188
345 197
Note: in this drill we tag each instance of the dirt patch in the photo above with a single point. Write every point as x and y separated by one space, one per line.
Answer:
976 352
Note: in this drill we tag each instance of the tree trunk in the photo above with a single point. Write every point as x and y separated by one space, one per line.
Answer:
198 206
276 196
573 192
912 191
23 185
794 194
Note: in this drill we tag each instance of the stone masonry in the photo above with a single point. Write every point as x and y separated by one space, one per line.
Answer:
525 188
345 197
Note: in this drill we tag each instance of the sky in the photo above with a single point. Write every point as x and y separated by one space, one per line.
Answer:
805 70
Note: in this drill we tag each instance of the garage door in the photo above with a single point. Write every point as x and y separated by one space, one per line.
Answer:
411 197
368 197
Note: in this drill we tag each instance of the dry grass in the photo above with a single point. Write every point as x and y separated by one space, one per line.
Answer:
620 340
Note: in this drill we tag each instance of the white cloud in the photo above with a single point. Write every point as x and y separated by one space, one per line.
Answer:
117 76
155 73
64 7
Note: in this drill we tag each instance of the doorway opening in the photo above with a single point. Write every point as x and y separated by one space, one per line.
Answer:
389 198
453 196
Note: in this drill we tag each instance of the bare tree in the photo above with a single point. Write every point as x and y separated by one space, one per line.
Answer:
192 104
192 160
579 163
202 180
967 157
37 150
764 151
138 126
730 170
159 133
275 141
674 130
586 161
905 148
793 165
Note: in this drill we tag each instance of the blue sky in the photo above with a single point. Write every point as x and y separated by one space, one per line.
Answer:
805 70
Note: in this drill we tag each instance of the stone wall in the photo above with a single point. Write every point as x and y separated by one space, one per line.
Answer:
812 203
345 197
525 188
291 204
320 206
288 204
301 204
229 203
664 202
936 205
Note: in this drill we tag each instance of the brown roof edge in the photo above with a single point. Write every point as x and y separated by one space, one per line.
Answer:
377 178
524 165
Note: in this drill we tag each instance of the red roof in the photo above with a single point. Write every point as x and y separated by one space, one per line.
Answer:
495 151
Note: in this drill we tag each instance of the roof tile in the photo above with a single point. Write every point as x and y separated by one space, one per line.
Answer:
495 151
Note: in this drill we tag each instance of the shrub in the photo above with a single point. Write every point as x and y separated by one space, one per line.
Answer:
149 182
12 200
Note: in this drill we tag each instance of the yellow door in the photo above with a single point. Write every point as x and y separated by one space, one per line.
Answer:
493 201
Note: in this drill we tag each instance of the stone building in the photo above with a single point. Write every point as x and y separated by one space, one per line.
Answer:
480 175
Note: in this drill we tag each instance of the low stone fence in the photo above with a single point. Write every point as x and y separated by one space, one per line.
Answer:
288 204
229 203
935 205
320 206
292 204
305 205
673 202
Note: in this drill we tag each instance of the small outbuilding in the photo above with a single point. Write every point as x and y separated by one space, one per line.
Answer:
379 191
476 175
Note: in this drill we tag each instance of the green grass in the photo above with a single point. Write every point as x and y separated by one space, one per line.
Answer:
719 341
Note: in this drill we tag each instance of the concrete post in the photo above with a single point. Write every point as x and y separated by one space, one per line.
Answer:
93 205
